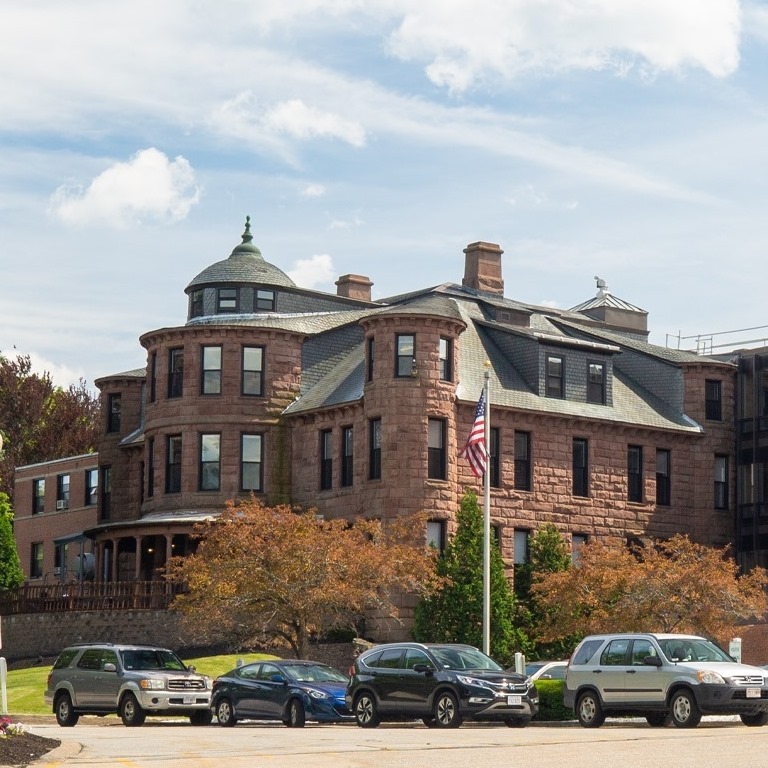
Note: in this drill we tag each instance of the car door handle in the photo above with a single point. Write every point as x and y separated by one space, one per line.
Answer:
596 671
631 671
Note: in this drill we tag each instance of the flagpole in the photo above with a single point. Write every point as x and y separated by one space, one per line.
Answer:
487 517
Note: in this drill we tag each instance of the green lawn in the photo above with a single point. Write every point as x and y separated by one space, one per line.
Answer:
26 686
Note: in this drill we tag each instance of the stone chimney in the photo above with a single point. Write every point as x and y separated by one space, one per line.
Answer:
482 268
354 287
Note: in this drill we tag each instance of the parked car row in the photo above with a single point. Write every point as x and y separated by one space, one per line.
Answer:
662 677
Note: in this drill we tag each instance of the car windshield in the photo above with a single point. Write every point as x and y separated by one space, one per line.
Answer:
464 658
692 649
148 658
534 666
313 673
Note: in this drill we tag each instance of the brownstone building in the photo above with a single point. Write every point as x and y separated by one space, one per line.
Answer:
361 407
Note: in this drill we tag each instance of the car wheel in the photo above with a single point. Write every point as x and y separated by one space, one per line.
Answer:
225 713
66 717
589 710
685 711
658 719
760 718
516 722
296 714
447 713
201 717
130 712
366 712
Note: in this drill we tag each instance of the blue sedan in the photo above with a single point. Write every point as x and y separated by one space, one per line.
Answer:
288 690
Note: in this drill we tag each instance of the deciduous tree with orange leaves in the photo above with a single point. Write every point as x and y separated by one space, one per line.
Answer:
674 585
262 573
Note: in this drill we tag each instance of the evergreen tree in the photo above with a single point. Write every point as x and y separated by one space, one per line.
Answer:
11 575
547 553
454 613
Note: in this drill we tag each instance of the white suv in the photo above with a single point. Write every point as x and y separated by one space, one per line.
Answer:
132 680
661 677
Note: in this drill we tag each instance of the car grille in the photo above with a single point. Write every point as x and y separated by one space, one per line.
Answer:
508 686
747 680
184 684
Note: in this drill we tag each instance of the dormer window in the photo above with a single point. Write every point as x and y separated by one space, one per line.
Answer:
196 303
226 300
264 300
555 376
596 383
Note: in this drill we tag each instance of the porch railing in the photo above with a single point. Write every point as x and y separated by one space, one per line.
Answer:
87 596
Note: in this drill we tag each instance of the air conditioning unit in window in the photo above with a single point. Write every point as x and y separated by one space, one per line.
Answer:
61 504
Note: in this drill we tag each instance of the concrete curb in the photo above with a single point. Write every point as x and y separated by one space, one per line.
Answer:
58 756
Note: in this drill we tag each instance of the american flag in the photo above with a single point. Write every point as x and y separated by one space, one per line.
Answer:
474 451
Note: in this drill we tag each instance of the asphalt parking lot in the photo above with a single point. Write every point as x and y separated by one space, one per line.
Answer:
719 743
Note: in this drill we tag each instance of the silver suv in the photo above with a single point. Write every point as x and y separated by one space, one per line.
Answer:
131 680
662 678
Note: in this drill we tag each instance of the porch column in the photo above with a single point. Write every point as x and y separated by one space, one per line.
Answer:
137 564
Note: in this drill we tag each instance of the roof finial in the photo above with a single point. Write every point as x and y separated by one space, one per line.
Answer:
247 236
602 287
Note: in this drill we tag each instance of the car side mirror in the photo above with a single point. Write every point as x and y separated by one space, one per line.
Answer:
652 661
423 669
277 679
109 667
192 668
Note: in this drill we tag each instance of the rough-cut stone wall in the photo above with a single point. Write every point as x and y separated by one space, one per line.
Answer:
43 635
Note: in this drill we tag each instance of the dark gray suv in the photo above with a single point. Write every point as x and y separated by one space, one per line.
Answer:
131 680
440 683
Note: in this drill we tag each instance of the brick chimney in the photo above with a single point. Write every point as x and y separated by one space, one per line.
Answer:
354 287
482 268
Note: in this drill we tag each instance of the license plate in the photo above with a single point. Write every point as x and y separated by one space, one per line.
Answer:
514 701
189 699
753 693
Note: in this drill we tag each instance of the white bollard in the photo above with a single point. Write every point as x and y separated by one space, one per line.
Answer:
3 689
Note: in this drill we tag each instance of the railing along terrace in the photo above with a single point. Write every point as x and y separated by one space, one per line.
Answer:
87 596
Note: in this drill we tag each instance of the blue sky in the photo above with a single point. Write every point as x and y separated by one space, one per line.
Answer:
620 138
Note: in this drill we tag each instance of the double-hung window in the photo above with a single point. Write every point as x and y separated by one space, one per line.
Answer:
211 371
580 467
326 459
253 371
114 401
713 394
555 386
176 372
596 383
445 359
251 461
635 473
374 449
405 354
173 465
721 482
437 452
347 456
522 461
663 477
210 462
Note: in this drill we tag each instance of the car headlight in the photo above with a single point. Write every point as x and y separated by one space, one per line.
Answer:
151 684
209 683
472 681
706 676
315 694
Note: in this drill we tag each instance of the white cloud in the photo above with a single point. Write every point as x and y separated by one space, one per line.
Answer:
507 38
346 224
296 119
147 188
317 270
313 190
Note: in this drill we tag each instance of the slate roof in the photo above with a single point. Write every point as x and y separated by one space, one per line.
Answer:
244 265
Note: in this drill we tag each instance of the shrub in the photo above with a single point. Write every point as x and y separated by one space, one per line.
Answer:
551 707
